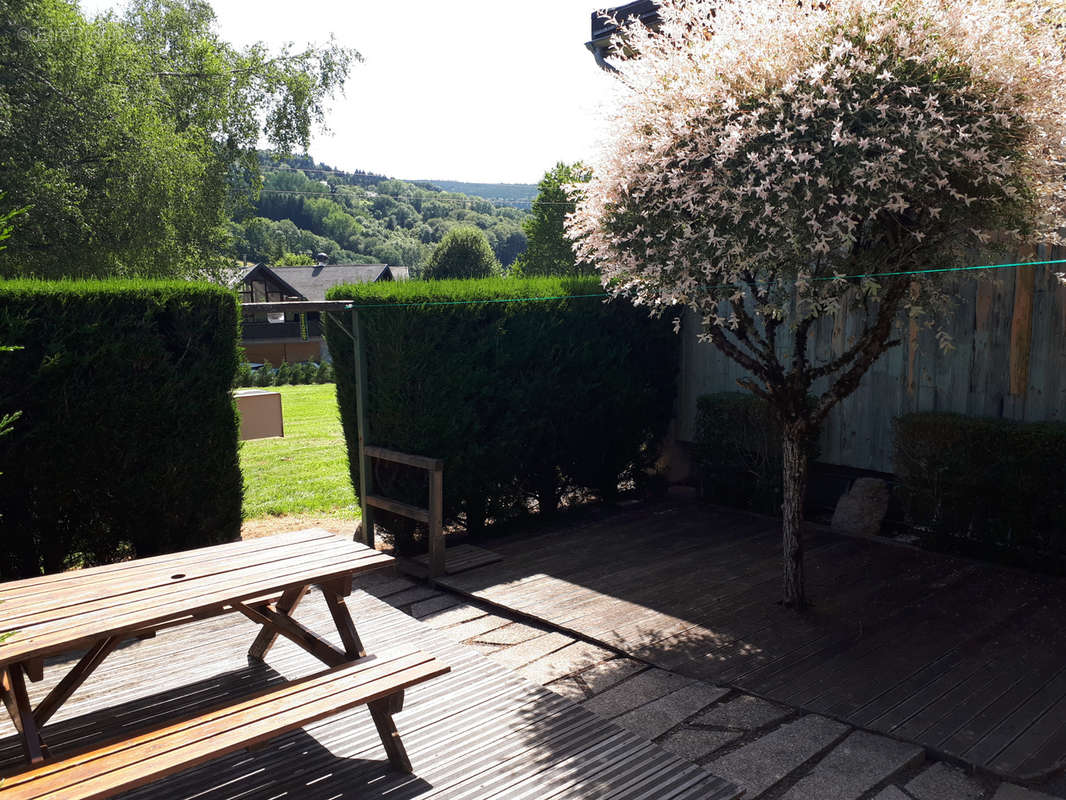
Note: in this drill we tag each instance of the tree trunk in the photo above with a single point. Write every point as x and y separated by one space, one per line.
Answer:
794 471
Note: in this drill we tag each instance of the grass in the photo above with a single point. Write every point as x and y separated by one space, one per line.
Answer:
306 472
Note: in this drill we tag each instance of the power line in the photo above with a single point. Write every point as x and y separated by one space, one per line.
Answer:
723 286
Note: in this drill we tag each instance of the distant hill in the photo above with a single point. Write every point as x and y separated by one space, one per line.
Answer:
305 207
512 194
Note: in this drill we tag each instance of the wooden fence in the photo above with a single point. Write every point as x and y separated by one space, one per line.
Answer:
1009 331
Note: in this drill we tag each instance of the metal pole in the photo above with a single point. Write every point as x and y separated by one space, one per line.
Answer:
365 482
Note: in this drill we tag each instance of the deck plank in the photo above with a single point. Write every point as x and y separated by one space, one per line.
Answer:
963 657
476 732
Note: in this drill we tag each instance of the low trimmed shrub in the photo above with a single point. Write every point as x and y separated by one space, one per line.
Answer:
295 373
996 483
127 443
738 451
520 398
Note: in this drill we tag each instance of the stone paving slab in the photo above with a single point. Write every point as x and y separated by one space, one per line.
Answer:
638 690
654 719
892 793
745 713
413 595
569 688
425 607
515 633
855 766
944 782
697 743
521 654
475 627
762 764
384 589
1009 791
570 659
453 616
603 676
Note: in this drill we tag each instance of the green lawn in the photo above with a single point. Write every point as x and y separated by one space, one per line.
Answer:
306 472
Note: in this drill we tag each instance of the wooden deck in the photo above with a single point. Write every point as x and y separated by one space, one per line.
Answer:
964 658
478 732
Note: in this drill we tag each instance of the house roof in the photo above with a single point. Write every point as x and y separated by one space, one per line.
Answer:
603 25
312 282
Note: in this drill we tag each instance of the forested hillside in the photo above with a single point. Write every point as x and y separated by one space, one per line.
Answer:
356 217
511 194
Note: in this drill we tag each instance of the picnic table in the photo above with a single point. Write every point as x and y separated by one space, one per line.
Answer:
94 610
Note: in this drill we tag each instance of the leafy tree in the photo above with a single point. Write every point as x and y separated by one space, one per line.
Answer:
132 138
548 250
6 228
771 182
464 252
295 260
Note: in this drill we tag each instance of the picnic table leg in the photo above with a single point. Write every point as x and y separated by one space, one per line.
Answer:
62 691
335 592
380 710
267 636
13 688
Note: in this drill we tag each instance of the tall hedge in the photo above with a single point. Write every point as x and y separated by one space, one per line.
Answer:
738 451
520 398
127 442
995 483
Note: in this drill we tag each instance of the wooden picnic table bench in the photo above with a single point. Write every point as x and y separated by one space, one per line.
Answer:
264 579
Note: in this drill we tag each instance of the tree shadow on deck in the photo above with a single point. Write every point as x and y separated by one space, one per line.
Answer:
965 658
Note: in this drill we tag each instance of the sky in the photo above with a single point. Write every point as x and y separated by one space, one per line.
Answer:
493 91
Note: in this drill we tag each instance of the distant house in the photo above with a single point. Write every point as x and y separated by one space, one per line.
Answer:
295 337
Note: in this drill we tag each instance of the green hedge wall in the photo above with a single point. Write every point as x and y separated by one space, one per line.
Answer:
738 451
127 443
520 398
995 483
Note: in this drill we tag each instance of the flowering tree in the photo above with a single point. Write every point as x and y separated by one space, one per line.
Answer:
773 163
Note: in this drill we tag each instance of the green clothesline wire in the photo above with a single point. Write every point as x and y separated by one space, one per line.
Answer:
724 286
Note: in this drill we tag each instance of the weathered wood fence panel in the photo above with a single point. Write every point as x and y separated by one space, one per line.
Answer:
1009 361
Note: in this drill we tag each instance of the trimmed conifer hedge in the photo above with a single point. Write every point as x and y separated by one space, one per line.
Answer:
127 442
520 398
738 447
997 484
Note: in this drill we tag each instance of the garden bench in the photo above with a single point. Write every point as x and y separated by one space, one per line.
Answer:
263 579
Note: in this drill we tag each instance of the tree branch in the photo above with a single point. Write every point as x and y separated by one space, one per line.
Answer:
873 343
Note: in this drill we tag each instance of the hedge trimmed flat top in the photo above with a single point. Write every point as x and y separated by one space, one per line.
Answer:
263 579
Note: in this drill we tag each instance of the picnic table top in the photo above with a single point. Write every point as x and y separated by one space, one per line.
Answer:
70 610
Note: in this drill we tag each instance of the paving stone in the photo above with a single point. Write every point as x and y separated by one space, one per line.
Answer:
654 719
855 766
384 588
515 633
453 616
762 764
474 628
944 782
603 676
745 713
636 691
412 595
483 647
568 688
695 743
570 659
521 654
892 793
1008 791
425 607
